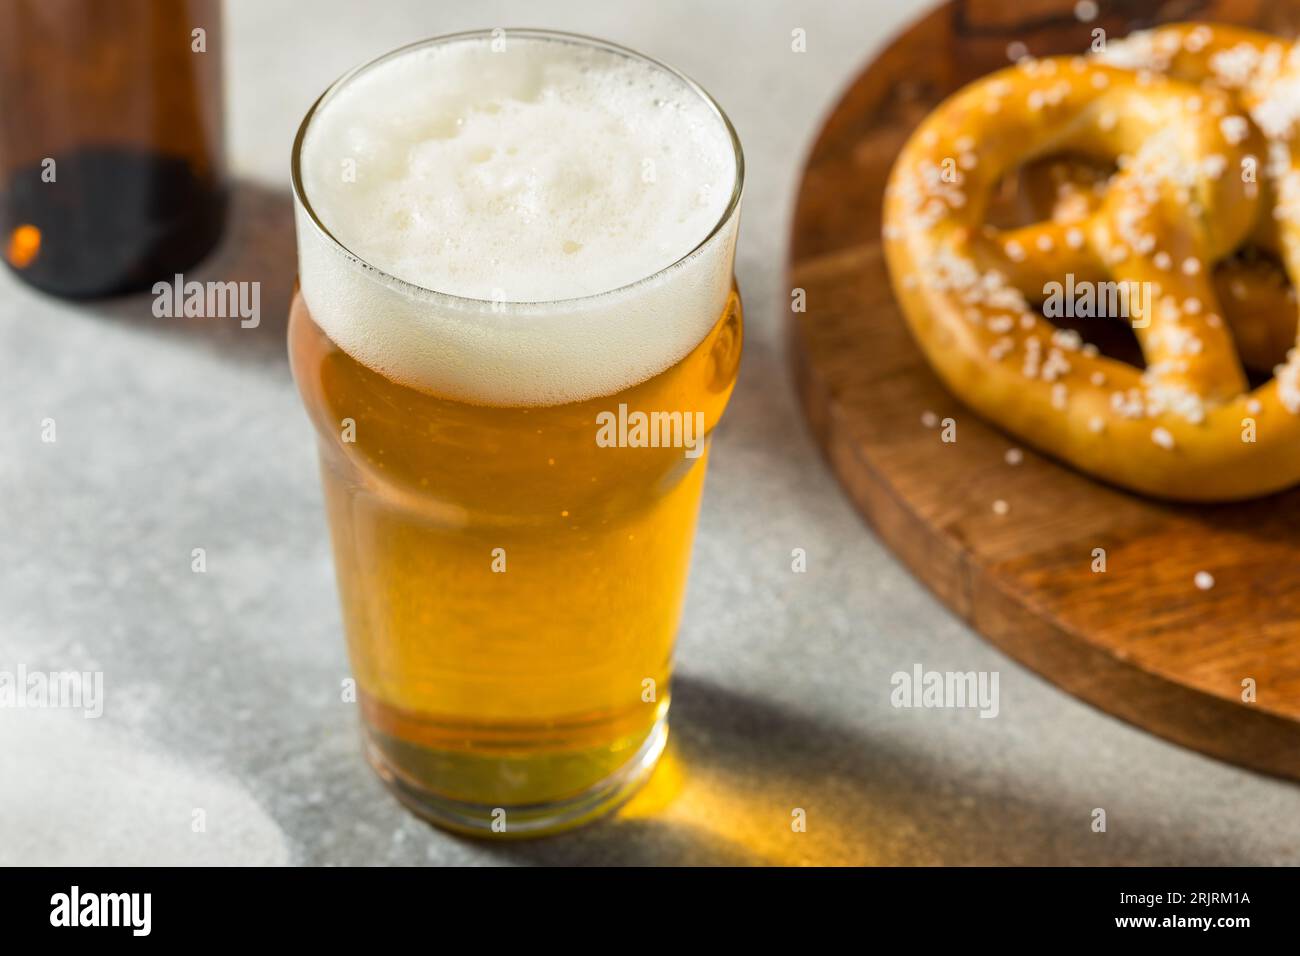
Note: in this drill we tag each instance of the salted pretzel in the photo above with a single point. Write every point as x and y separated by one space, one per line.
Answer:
1258 302
1199 121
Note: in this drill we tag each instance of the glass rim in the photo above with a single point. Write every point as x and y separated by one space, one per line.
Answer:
421 292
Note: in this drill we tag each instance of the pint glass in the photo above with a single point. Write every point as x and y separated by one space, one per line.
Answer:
515 331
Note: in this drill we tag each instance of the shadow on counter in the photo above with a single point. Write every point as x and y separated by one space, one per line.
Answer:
258 247
738 767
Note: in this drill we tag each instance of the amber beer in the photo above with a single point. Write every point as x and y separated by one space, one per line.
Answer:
506 240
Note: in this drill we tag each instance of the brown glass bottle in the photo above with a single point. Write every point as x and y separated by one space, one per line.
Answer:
111 135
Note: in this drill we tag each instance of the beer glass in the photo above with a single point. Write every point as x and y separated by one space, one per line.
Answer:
515 330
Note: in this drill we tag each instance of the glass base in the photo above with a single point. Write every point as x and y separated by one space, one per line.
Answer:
526 820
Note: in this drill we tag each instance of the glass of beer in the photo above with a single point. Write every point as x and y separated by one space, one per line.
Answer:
516 328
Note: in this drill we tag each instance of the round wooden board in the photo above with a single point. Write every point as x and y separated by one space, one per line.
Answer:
1140 641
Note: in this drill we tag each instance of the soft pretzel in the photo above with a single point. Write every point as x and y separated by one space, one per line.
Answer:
1258 302
1199 121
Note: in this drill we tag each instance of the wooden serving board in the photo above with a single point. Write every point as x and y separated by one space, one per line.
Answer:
1140 641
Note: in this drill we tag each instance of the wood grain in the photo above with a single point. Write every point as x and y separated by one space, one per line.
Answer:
1140 640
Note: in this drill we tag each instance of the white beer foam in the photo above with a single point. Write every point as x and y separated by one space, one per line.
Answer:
544 172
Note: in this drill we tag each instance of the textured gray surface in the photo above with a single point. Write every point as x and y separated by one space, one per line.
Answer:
222 688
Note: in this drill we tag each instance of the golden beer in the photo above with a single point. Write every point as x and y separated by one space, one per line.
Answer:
511 563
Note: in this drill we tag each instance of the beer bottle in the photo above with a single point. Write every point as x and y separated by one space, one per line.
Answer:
111 168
